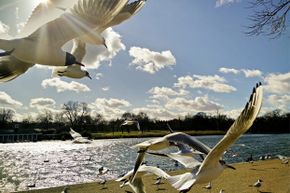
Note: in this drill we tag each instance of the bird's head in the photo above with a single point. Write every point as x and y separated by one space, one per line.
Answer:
223 163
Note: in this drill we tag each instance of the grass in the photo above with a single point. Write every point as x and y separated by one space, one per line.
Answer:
155 133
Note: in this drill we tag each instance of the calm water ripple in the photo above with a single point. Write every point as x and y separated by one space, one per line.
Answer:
57 163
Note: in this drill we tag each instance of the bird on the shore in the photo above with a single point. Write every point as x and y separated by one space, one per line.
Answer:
208 186
131 122
221 191
165 142
213 165
103 182
257 184
158 182
137 185
284 159
65 190
102 170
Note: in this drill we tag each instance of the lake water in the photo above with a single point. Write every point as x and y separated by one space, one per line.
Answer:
57 163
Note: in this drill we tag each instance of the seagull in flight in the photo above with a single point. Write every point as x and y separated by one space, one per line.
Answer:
131 122
213 165
164 142
44 46
137 185
49 28
78 138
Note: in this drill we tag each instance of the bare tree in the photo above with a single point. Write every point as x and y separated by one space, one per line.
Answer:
6 115
269 17
75 112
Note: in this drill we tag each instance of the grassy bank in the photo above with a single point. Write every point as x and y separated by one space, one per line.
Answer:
275 178
155 133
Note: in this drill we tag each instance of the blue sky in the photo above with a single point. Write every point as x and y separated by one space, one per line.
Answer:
171 59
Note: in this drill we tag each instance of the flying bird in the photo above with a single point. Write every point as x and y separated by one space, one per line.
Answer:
213 165
78 138
164 142
73 71
131 122
137 185
49 28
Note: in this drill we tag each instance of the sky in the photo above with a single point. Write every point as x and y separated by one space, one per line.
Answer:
173 58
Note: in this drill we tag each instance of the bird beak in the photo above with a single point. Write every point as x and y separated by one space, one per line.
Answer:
89 76
229 166
105 45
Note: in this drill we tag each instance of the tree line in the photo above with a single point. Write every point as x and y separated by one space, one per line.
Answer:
77 115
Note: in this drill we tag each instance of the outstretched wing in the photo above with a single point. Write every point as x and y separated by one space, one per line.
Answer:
11 68
85 17
179 137
240 126
44 13
128 11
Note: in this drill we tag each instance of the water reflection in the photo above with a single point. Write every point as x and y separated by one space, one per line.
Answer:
56 163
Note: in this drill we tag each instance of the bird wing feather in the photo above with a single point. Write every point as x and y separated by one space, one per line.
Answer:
44 13
11 68
240 126
180 137
128 11
98 12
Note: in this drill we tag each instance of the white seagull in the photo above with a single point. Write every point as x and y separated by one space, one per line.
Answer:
44 46
166 141
74 71
78 138
213 165
137 185
48 17
185 155
131 122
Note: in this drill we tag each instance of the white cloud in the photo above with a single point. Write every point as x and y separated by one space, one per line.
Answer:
156 111
5 99
277 83
165 92
229 70
247 72
114 44
62 86
251 73
280 102
150 61
214 83
220 3
99 76
106 88
198 104
42 103
109 108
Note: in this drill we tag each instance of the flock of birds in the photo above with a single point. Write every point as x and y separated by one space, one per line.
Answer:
54 23
82 21
189 150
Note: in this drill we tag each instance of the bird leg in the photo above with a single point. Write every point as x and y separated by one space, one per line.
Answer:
7 53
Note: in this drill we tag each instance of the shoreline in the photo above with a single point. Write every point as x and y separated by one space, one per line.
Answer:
275 178
136 134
